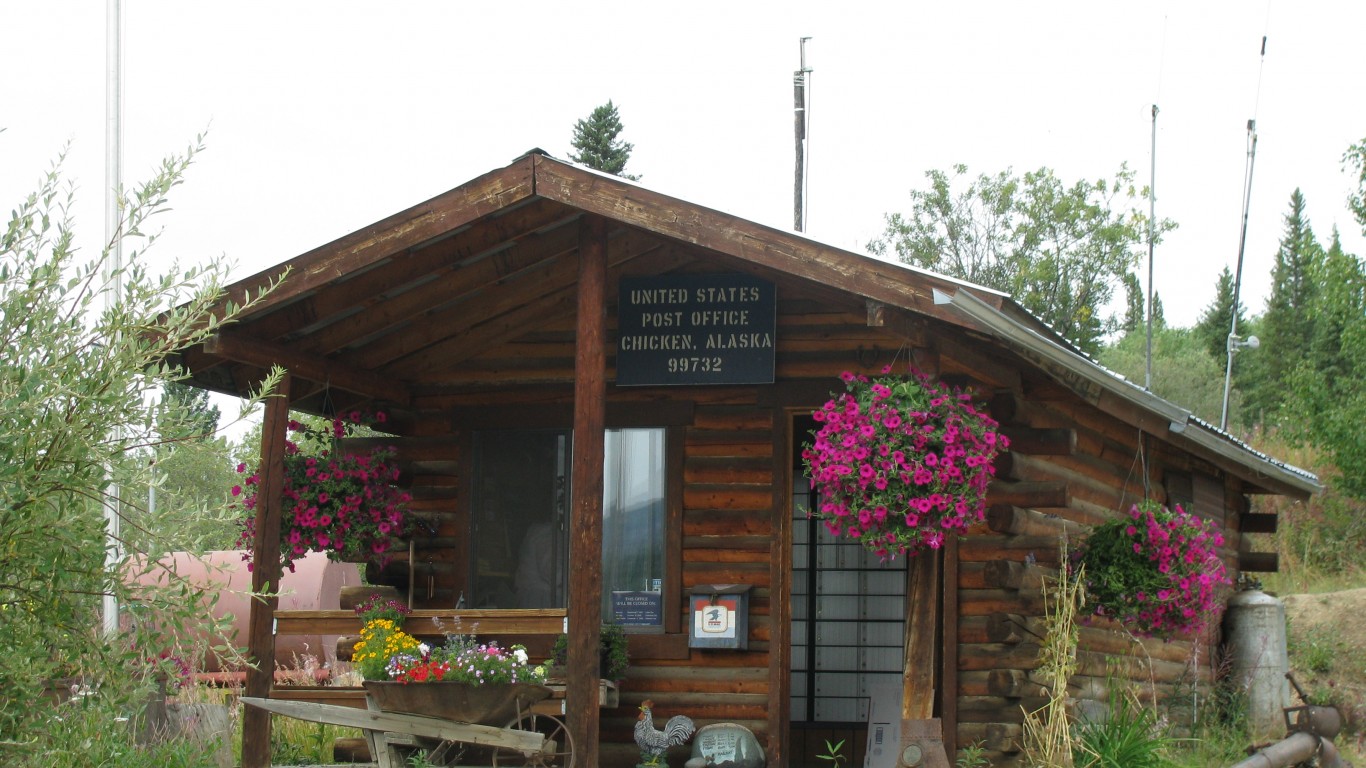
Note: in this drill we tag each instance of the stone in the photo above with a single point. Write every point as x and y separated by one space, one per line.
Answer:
726 745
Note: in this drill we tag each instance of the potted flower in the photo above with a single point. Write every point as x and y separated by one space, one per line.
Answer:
900 462
1155 570
461 680
344 504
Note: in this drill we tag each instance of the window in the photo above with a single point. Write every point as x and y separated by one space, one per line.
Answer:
520 526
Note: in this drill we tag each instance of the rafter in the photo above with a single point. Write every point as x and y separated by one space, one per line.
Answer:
265 354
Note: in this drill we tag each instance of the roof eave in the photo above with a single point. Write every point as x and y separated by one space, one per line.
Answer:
1070 368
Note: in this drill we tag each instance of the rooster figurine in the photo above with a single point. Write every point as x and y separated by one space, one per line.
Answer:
654 743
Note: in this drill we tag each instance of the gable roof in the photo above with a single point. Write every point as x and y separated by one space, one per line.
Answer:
398 308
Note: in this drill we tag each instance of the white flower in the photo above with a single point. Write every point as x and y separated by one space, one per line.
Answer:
424 649
520 654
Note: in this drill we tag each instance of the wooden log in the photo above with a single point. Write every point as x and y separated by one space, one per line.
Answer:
1093 483
997 546
1015 575
1007 518
350 750
1041 441
1008 628
1259 562
1253 522
984 602
1011 683
1034 494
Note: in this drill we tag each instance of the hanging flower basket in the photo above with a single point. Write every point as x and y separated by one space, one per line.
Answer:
900 462
346 505
1155 570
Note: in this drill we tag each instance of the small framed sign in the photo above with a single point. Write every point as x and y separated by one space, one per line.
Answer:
695 329
637 609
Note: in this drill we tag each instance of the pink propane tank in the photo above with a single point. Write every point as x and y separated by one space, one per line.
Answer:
315 584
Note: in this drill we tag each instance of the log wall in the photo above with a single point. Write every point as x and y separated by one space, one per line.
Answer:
1070 467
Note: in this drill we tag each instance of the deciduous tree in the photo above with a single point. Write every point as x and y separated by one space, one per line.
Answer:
1060 250
75 382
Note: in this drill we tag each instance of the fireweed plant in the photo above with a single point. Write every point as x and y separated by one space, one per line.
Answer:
901 462
1155 570
343 504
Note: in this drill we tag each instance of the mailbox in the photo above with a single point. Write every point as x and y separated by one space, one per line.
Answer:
720 616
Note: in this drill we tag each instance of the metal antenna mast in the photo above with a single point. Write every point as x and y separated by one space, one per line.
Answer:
1152 223
800 121
1235 343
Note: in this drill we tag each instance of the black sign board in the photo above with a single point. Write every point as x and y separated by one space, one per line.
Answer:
696 329
638 609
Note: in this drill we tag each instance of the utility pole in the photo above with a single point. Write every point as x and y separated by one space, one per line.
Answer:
800 121
113 283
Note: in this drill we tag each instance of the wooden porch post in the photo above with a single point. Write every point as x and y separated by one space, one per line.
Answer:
585 541
918 694
265 578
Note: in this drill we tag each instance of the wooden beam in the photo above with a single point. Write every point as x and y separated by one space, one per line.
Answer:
444 213
265 578
948 682
264 354
1255 522
452 336
1259 562
586 486
745 240
922 613
403 272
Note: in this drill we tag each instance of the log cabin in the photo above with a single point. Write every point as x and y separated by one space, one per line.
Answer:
611 387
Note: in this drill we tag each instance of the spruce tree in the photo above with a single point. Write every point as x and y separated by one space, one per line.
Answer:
595 139
1288 325
1215 322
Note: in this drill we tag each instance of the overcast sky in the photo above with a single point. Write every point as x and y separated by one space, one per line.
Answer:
326 116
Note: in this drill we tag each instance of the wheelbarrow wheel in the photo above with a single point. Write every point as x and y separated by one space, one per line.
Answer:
556 751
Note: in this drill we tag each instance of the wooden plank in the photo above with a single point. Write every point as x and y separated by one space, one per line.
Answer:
265 578
586 484
502 621
417 725
1253 522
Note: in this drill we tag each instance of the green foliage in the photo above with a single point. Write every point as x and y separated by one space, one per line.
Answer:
100 731
1183 371
1287 329
1354 162
75 384
1312 648
1130 736
1321 541
612 646
971 756
834 753
1217 319
1059 250
595 139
